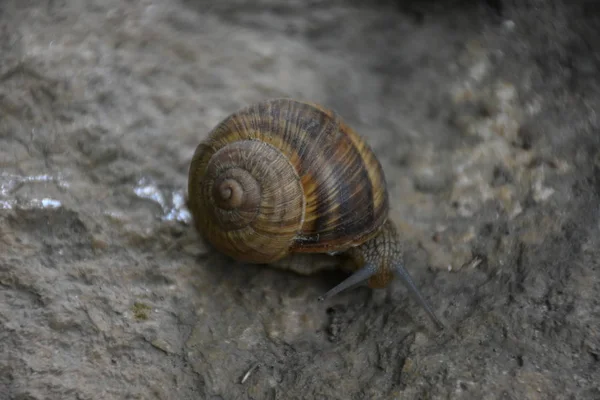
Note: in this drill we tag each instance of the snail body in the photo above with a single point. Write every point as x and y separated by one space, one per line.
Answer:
282 177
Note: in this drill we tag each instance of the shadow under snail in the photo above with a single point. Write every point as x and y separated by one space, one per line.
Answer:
283 177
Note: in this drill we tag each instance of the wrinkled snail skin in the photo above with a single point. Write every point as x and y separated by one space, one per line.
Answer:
283 176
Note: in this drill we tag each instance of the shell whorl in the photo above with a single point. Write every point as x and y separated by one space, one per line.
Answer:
285 176
252 200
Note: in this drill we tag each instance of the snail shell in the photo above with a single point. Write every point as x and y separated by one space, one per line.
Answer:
283 176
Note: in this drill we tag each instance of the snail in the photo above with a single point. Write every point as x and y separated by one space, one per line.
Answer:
283 177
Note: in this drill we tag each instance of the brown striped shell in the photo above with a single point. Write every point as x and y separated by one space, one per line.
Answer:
284 176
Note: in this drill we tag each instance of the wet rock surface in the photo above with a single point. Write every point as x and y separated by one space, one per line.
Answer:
484 116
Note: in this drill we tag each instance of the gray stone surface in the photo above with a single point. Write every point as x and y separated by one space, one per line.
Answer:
484 115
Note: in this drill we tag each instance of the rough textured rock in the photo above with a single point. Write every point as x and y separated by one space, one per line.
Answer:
484 115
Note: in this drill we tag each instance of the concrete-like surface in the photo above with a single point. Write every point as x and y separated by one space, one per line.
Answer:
485 116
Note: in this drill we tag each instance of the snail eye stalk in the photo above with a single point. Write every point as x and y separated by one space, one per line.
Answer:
356 279
403 274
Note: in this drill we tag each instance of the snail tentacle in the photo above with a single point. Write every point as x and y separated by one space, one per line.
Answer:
359 277
403 274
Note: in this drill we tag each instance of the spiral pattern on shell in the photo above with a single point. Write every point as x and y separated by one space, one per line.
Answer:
285 176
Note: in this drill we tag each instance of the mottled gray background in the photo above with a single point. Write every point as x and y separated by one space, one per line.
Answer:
484 115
